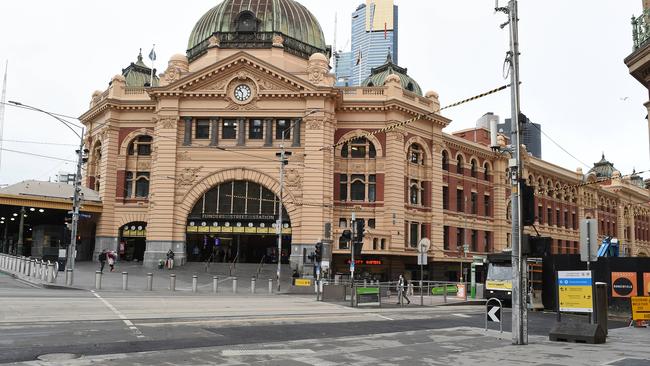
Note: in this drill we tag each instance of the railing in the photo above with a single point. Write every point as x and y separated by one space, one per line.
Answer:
233 265
260 267
641 29
134 90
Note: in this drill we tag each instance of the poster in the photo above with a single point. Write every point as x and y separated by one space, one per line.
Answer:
624 284
646 284
575 291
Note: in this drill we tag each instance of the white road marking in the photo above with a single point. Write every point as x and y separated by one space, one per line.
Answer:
384 317
274 352
126 321
461 315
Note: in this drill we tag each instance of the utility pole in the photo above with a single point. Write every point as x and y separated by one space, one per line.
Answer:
352 263
278 224
76 203
519 271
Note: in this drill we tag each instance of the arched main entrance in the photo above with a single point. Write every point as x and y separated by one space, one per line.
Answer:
236 220
133 241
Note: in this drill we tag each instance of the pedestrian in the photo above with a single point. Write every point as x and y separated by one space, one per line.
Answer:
401 291
111 259
295 274
102 260
170 259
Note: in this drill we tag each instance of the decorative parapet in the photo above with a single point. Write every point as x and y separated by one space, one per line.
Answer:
641 29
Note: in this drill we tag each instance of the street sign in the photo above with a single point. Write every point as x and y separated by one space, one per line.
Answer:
640 308
494 313
422 259
302 282
575 292
351 266
325 264
589 240
424 245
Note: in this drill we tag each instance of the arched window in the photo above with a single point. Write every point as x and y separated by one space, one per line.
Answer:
246 22
473 168
357 190
142 185
486 171
141 145
409 87
445 160
359 148
459 164
414 193
416 154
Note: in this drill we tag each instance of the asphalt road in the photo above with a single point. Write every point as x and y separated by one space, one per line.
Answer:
35 322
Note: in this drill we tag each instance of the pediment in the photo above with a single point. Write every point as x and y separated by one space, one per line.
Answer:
241 67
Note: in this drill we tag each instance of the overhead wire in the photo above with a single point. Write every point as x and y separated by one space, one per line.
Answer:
54 114
560 146
38 142
37 155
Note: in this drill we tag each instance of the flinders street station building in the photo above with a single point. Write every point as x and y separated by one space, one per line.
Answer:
189 162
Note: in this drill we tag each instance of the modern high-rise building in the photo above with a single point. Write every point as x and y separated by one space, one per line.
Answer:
531 134
374 35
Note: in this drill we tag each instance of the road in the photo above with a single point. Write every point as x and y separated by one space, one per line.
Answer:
35 321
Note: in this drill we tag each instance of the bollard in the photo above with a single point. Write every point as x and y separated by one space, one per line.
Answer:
253 285
125 281
43 270
34 268
98 280
26 266
149 281
365 282
195 280
215 284
172 282
21 265
68 277
270 285
51 274
444 292
234 285
28 269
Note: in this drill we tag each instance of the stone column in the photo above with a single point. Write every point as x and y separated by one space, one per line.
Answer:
499 204
394 185
296 132
268 132
214 127
437 222
162 222
187 137
241 132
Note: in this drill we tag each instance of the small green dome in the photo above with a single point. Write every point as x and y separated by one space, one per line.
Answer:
603 168
253 23
139 74
379 74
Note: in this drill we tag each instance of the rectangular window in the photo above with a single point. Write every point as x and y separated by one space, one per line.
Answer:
343 185
358 187
128 185
474 203
282 127
486 204
445 237
413 237
549 216
558 220
229 129
142 185
540 214
343 223
255 129
487 241
202 130
372 188
445 198
423 231
566 219
460 239
474 247
459 200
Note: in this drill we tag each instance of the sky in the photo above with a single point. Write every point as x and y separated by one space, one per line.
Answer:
574 81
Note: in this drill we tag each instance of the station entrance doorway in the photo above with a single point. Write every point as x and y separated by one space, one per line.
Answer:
236 221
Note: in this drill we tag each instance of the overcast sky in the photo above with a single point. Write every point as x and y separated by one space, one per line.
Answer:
574 80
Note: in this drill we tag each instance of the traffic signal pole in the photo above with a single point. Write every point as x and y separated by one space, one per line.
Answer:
352 263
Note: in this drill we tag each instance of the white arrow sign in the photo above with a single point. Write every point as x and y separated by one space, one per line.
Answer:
494 314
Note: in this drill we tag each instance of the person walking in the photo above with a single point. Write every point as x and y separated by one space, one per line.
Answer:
110 255
102 260
170 259
401 291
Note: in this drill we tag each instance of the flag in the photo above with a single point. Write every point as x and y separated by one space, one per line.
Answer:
152 54
359 57
385 31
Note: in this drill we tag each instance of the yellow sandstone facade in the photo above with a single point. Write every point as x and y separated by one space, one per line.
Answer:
190 164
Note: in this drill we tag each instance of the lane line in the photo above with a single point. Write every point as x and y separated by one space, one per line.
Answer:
126 321
384 317
461 315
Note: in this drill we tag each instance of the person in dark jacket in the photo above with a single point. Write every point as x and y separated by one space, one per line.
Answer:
102 260
170 259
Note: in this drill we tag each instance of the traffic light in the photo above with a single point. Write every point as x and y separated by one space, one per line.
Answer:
535 246
527 204
359 228
318 252
358 246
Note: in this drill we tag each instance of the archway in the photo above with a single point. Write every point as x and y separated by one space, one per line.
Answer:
236 221
133 241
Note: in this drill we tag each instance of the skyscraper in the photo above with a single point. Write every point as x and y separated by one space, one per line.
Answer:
374 35
531 134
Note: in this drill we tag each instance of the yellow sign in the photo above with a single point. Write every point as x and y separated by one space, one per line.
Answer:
641 308
302 282
498 285
575 291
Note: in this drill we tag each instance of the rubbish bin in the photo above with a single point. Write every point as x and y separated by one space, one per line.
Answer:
62 262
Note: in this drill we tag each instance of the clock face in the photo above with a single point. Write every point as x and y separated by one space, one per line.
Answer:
242 92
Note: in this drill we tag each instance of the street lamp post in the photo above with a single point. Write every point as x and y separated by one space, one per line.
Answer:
282 155
76 198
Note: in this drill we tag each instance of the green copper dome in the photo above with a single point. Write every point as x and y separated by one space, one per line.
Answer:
139 74
254 23
603 168
379 74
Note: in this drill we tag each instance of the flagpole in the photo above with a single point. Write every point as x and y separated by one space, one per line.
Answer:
153 61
